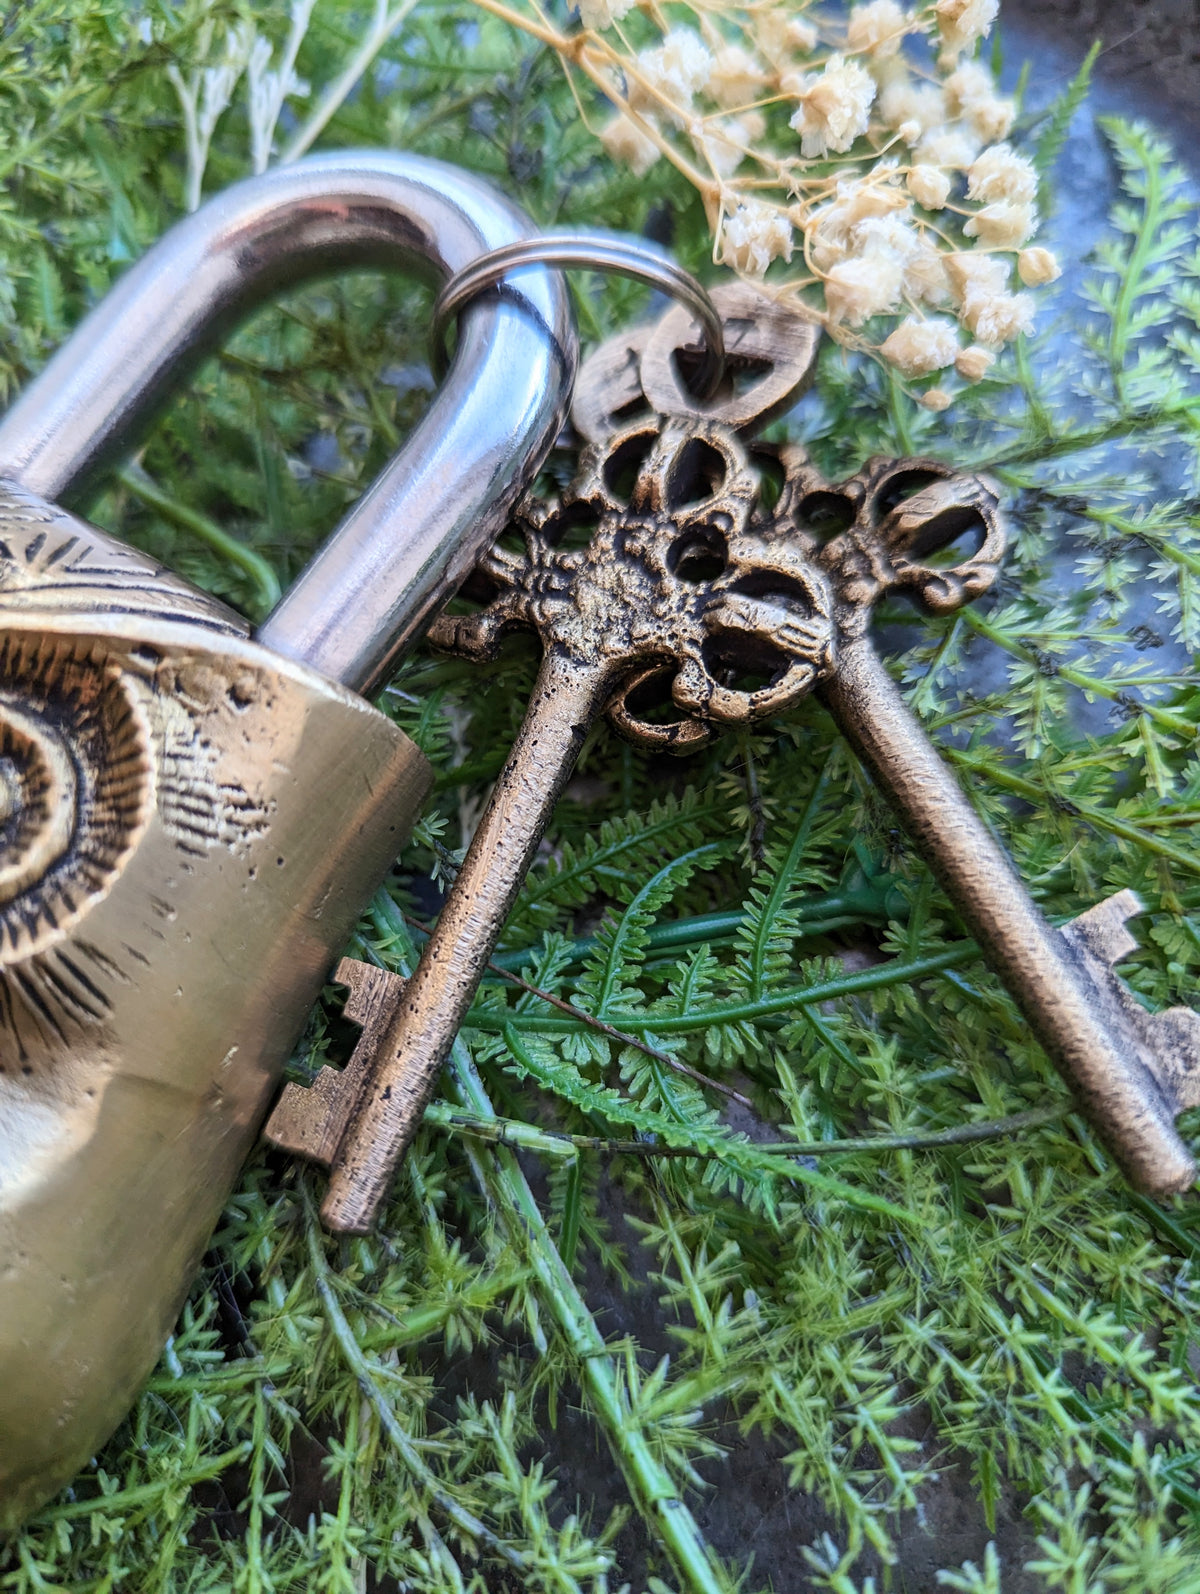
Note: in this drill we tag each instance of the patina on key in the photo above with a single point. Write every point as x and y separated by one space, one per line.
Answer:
679 583
686 586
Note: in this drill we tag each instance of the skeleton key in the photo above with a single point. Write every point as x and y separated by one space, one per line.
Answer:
1133 1071
638 607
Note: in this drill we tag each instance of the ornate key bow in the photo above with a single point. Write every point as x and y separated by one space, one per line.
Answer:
680 583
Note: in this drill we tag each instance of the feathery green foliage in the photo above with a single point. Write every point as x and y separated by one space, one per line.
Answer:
961 1362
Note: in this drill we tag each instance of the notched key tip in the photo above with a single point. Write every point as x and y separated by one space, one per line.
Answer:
1161 1050
310 1120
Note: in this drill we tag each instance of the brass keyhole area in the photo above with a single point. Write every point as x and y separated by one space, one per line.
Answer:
699 556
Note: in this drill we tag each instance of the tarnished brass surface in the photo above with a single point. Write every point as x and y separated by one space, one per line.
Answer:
690 595
189 827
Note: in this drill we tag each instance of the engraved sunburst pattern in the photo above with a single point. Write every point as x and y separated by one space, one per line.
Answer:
97 734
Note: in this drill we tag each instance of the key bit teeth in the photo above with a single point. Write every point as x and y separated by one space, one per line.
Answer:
1161 1049
1101 929
310 1120
1176 1042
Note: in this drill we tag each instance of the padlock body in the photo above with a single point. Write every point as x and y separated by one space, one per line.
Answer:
189 829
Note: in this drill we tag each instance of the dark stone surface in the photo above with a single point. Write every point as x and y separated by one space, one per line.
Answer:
1151 50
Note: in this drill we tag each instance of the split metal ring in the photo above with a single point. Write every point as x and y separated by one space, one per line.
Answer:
590 250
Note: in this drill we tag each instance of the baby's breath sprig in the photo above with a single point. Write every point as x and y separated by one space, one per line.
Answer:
868 155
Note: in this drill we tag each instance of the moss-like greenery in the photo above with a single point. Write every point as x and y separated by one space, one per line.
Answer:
946 1302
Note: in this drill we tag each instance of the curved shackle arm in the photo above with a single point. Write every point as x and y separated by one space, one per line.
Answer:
417 531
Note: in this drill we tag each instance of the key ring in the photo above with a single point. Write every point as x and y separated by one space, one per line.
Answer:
591 250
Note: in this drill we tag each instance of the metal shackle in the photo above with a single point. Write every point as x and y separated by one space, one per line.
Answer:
421 526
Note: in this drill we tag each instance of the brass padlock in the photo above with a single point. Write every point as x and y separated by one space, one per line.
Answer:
192 818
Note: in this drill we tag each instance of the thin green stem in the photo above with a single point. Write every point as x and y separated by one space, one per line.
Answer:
144 488
557 1143
1176 723
781 886
1088 812
659 1023
1131 277
359 1366
146 1493
872 903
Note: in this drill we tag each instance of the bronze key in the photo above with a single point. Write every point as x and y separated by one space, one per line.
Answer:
1134 1071
636 606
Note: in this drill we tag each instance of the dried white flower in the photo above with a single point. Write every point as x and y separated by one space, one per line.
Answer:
859 288
736 77
999 320
953 146
929 186
962 23
935 398
601 14
835 107
906 107
832 230
973 364
970 274
892 240
753 236
676 71
918 347
971 95
1000 173
1037 266
980 284
1004 225
725 144
891 235
628 145
925 276
877 28
778 34
905 129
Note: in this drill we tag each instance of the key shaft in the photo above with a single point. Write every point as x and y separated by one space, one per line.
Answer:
1037 963
412 1048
